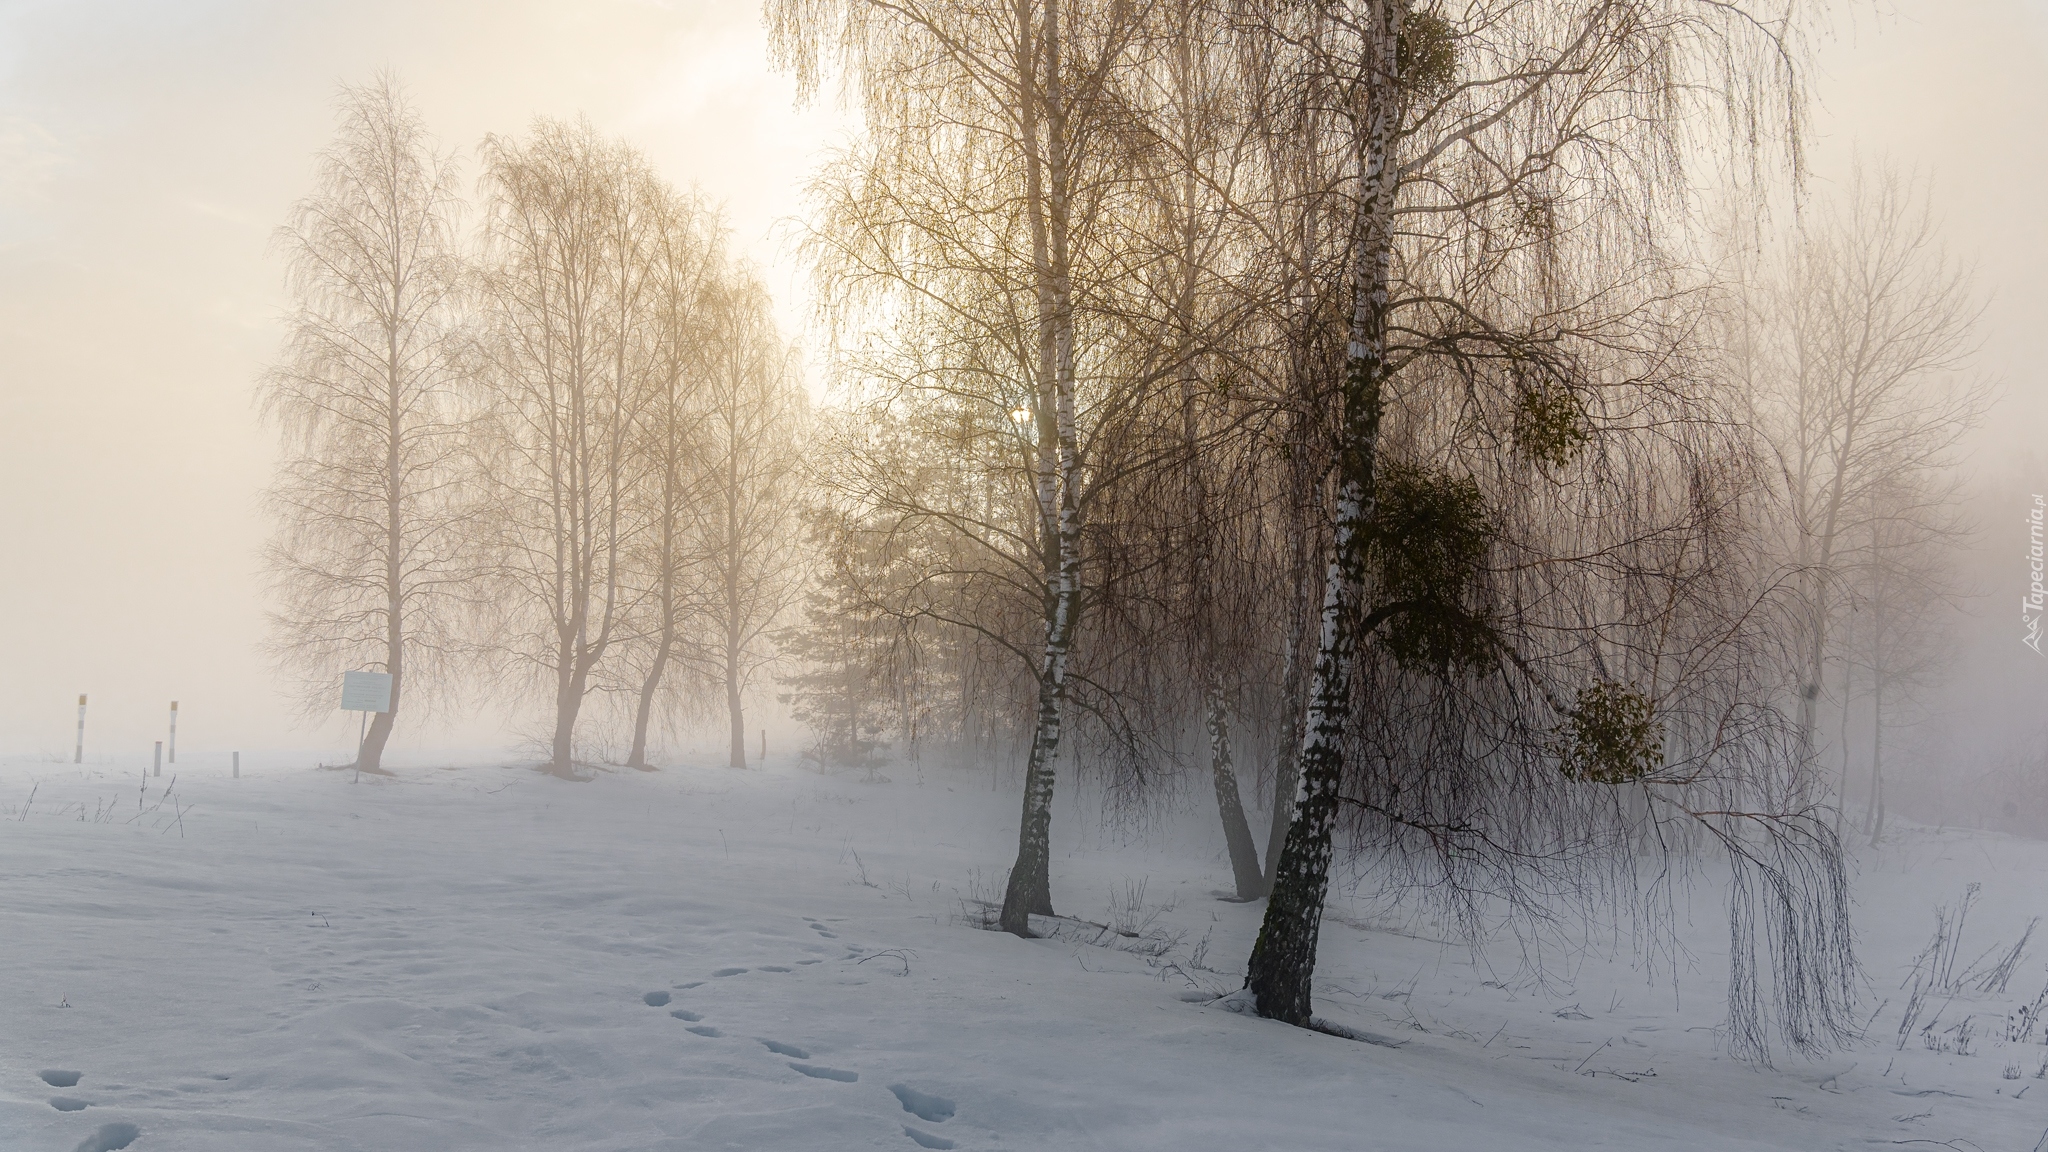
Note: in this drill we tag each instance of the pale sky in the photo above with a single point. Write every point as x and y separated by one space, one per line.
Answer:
147 150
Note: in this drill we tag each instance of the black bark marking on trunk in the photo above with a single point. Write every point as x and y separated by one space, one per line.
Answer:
1282 966
1030 887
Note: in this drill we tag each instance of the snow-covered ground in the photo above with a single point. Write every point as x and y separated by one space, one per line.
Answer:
487 958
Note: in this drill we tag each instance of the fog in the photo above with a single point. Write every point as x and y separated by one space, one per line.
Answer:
150 152
1617 646
1879 95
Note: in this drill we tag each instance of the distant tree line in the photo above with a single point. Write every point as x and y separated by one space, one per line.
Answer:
560 448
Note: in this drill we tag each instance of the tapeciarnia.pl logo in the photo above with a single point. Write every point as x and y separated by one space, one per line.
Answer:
2037 596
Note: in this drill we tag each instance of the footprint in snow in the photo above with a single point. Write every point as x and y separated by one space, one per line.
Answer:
823 1073
705 1030
60 1078
110 1138
655 999
923 1105
773 968
690 985
926 1139
68 1104
810 961
686 1014
781 1049
728 971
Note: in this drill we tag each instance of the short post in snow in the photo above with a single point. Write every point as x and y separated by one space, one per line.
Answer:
238 765
174 732
78 753
159 758
764 747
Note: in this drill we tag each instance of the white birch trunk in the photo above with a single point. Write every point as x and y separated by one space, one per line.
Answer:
1282 963
1029 891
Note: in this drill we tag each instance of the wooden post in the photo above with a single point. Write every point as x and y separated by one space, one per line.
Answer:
764 747
78 754
174 732
238 765
159 758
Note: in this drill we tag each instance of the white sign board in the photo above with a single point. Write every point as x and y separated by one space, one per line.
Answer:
366 691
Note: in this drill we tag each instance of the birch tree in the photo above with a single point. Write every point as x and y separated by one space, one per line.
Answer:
1479 146
686 269
1204 135
745 526
1861 341
1279 970
997 110
567 292
368 563
1902 589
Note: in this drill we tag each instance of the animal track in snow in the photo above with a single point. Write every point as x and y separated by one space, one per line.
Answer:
728 971
926 1139
773 968
60 1078
655 999
686 1014
67 1104
936 1109
110 1138
706 1030
690 985
781 1049
823 1073
810 961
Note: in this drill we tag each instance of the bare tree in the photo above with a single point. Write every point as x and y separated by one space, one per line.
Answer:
991 156
746 527
1902 586
1204 136
1853 352
687 265
567 288
367 563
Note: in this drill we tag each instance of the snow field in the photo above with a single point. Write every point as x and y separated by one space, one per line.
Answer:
487 958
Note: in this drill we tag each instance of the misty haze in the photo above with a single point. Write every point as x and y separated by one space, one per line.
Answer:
1458 575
